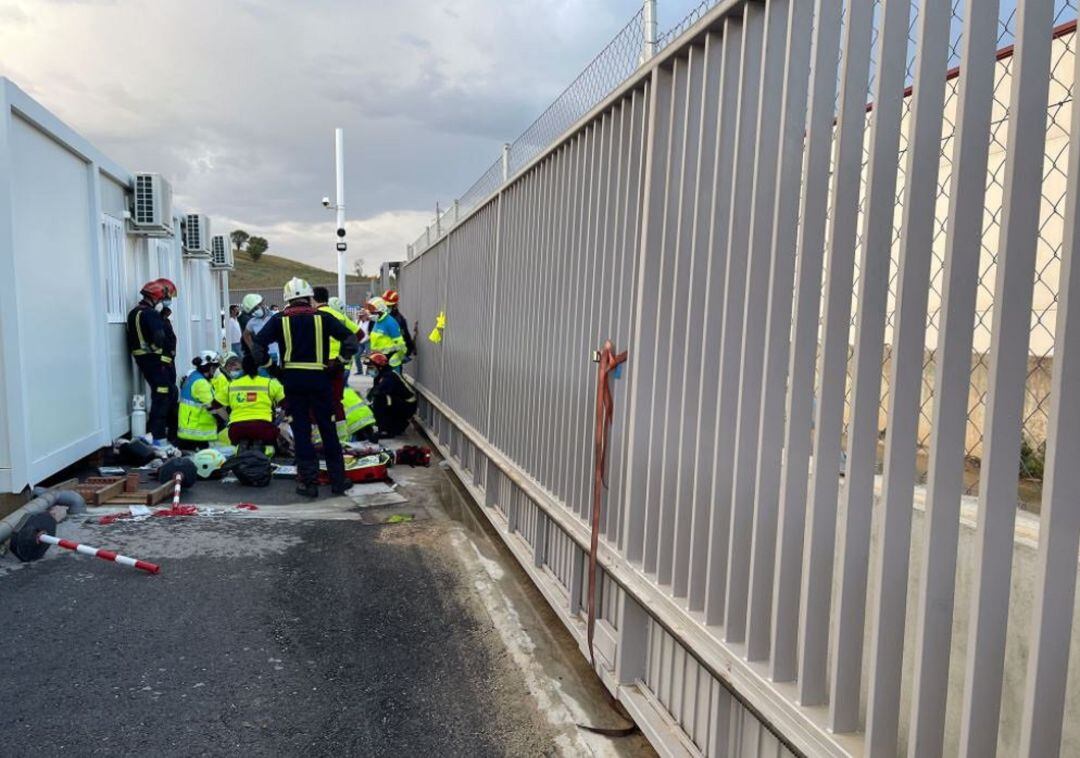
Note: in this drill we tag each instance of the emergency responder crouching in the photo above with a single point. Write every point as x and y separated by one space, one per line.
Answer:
251 399
392 402
302 335
198 421
149 344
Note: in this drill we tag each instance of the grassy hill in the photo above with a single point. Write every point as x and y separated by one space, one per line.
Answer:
273 270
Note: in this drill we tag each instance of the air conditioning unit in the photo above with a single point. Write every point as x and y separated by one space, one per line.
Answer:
221 254
152 213
196 235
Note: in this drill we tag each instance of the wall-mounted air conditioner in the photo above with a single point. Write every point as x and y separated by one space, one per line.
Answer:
221 254
196 229
151 212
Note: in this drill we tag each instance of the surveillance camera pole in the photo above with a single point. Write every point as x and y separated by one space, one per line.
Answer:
339 164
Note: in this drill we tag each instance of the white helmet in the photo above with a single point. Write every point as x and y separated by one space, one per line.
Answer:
378 305
337 304
297 288
251 302
206 357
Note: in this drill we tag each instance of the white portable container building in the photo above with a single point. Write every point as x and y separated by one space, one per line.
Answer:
70 270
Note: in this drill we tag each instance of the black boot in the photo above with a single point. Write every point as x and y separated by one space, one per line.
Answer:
307 490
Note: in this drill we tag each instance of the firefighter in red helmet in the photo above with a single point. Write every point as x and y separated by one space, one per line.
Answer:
148 338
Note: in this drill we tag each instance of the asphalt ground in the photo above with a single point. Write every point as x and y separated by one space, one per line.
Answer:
300 629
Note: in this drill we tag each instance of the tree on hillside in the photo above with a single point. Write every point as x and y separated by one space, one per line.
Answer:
256 246
358 267
239 237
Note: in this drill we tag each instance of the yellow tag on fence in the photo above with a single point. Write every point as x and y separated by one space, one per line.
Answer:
435 336
440 320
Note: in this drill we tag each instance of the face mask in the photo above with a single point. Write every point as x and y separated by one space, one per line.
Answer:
259 312
159 306
166 303
235 374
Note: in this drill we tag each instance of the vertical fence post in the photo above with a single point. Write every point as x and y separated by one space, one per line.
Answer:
648 30
1009 341
952 380
438 221
1055 587
506 161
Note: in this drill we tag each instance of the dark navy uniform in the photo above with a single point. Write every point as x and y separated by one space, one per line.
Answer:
148 339
303 337
392 402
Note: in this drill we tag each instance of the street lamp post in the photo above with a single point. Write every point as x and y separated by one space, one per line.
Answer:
339 165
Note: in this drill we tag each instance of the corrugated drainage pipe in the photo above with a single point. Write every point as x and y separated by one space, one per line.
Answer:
10 523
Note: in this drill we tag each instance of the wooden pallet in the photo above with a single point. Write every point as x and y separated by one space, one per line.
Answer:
151 496
97 490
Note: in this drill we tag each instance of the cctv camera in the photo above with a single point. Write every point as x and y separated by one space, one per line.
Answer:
326 202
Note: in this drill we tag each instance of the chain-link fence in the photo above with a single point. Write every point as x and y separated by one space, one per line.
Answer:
1051 231
622 56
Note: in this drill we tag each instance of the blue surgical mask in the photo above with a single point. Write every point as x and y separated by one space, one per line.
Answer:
235 374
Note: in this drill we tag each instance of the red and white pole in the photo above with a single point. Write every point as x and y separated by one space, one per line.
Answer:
96 552
178 483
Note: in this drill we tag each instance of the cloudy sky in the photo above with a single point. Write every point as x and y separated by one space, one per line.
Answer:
236 100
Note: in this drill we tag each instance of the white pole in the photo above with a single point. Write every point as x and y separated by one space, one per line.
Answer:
506 161
225 309
339 165
648 49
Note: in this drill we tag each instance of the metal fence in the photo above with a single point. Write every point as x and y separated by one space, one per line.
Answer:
816 241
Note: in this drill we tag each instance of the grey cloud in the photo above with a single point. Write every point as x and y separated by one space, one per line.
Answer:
238 101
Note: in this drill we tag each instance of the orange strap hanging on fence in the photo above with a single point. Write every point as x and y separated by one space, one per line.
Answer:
608 361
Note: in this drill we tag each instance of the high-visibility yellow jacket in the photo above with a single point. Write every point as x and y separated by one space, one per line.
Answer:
253 398
348 323
358 413
386 339
220 383
196 423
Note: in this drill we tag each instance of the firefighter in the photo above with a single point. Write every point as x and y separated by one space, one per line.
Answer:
169 364
385 333
303 337
392 402
337 370
198 423
391 298
152 348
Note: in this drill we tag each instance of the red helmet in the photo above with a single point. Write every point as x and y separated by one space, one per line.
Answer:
391 297
378 359
170 288
155 290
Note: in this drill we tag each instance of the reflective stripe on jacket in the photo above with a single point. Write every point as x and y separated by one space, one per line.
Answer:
386 339
195 421
253 398
358 413
348 323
